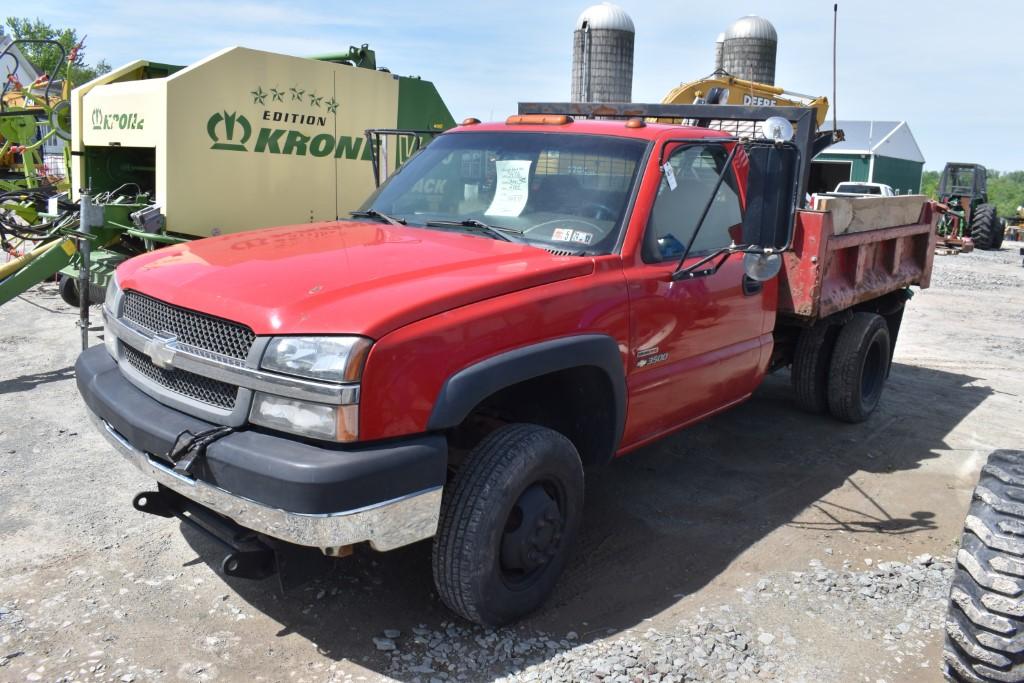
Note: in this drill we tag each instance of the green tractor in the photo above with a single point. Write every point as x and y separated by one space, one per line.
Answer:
964 188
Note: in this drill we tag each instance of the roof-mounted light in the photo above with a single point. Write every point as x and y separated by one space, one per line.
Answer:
538 120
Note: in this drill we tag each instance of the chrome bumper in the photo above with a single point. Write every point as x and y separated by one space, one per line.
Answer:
386 525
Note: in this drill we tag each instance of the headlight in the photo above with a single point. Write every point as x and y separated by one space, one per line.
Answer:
111 302
316 420
113 292
331 359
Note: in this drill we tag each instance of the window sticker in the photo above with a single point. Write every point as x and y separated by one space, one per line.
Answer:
582 237
512 188
670 175
562 235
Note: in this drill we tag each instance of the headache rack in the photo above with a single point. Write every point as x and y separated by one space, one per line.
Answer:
739 121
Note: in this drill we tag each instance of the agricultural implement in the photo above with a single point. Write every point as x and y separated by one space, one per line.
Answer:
240 140
31 116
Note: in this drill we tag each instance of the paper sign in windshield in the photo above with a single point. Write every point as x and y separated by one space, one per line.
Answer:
512 187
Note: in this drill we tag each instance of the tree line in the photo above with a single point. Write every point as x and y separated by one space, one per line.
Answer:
46 58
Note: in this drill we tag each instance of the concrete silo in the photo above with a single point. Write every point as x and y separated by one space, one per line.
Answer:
602 55
749 49
719 45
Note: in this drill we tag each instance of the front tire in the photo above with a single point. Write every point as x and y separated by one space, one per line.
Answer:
507 524
859 367
985 624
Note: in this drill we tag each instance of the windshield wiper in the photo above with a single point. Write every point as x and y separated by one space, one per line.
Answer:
379 215
496 231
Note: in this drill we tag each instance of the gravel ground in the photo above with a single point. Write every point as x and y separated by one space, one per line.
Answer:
763 544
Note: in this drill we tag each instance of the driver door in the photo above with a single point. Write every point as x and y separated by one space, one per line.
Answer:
698 344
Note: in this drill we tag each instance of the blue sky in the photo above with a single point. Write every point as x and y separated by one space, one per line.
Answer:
484 57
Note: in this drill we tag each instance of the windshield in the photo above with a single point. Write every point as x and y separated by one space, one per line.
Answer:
859 189
562 191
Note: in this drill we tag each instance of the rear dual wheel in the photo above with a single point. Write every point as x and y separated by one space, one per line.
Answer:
842 369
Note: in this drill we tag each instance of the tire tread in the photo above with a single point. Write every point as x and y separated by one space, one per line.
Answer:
985 626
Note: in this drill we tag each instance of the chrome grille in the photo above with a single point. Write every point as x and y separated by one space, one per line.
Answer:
198 330
204 389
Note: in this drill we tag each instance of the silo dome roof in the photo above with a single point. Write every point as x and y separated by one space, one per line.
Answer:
606 16
752 27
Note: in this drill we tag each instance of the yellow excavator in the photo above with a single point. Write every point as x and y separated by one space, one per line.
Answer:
721 88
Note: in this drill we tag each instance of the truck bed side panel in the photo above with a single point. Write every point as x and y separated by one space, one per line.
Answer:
826 273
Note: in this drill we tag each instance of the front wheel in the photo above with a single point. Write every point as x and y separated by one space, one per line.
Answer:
507 524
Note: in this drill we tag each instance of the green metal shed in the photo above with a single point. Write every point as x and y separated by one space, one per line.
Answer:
873 151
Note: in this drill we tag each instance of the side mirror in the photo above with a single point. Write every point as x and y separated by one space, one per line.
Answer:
772 200
761 267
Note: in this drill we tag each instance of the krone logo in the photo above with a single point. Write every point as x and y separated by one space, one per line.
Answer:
97 118
230 121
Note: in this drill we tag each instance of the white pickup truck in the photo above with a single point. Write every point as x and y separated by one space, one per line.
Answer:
861 189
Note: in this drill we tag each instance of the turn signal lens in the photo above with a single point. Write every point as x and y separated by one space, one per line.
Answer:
315 420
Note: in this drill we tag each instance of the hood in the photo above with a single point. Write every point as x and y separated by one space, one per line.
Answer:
343 277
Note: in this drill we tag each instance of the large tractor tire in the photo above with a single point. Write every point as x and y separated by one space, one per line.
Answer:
986 229
985 626
859 367
508 522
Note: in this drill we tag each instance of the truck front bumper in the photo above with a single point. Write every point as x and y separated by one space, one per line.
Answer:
310 495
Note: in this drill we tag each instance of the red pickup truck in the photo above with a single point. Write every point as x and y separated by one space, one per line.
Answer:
519 302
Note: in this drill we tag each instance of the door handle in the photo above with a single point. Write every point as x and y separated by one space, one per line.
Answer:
751 286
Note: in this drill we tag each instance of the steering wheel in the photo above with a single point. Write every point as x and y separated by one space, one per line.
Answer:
600 211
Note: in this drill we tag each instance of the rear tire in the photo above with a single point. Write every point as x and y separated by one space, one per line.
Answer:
985 623
859 367
811 362
986 230
1000 233
507 524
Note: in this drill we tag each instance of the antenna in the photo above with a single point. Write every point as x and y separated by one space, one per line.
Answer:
835 101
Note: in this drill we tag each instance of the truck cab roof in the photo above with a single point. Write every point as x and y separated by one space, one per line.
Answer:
616 128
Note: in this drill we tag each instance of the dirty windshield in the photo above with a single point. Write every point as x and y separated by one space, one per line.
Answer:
560 191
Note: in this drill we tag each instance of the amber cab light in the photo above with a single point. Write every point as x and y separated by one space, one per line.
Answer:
471 121
635 122
538 120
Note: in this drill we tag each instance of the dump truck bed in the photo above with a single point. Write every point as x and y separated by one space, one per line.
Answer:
855 250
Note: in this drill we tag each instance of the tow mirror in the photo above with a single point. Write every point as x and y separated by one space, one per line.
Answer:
761 267
772 200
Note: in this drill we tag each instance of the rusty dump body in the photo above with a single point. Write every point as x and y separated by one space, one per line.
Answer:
827 272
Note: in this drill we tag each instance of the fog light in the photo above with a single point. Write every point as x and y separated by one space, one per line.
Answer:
316 420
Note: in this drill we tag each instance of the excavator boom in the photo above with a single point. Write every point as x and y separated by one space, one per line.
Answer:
721 88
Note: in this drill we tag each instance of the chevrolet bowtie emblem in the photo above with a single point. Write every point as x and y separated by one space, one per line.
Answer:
161 349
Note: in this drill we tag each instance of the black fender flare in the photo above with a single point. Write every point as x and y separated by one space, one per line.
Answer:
464 390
